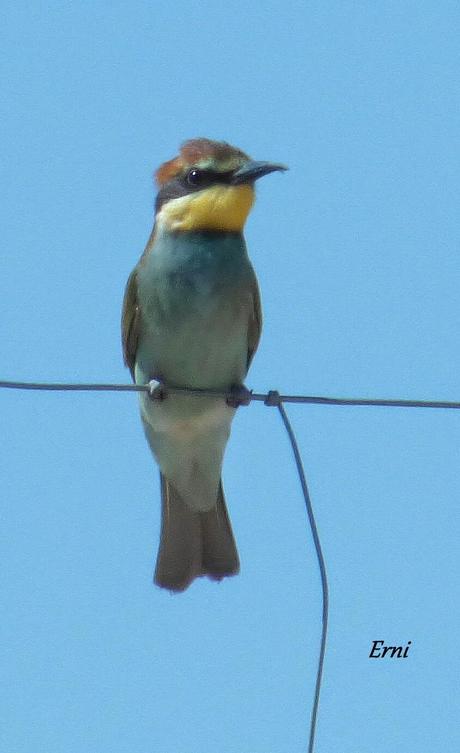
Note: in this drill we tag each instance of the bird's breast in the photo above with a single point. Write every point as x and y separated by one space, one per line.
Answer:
195 299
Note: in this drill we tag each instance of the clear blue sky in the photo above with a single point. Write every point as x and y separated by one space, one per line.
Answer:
357 252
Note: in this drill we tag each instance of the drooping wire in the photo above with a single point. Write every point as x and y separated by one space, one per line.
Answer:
274 399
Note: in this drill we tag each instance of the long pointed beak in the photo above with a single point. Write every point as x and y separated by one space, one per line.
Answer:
254 170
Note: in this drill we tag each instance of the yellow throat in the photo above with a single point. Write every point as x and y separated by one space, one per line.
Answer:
219 207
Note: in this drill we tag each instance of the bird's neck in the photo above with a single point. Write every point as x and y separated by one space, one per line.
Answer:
203 246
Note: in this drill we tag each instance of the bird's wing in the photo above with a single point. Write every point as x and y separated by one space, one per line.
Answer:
255 321
130 322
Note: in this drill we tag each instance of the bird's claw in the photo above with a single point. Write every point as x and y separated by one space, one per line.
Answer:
239 395
157 390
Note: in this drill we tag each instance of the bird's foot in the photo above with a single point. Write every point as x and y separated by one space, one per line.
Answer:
157 390
238 395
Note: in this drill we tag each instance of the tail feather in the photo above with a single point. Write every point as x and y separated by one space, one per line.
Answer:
193 543
219 555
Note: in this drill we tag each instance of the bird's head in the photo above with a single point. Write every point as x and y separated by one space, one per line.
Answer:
209 186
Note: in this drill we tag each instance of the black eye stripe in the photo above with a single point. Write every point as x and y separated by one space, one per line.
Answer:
180 186
197 178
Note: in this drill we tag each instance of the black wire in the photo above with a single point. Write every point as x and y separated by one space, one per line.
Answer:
252 396
64 387
276 400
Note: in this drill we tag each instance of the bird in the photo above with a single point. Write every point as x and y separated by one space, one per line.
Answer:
192 319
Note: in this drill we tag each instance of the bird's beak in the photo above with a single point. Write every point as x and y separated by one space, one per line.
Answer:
254 170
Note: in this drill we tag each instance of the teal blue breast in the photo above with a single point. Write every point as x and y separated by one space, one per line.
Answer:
195 296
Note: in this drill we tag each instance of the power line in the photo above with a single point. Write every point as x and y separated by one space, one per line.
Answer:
251 396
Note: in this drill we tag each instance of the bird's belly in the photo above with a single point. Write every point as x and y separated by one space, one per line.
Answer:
186 419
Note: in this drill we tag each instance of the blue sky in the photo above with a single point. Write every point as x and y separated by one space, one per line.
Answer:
356 249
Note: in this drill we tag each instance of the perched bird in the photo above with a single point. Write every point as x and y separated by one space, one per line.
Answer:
192 318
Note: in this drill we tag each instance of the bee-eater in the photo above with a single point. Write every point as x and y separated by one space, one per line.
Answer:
192 319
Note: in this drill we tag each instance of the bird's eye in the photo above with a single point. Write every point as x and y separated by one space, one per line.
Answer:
196 177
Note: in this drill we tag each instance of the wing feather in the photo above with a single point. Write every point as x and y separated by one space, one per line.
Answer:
130 322
255 322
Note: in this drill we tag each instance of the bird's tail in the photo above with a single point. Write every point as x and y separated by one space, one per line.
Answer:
193 543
